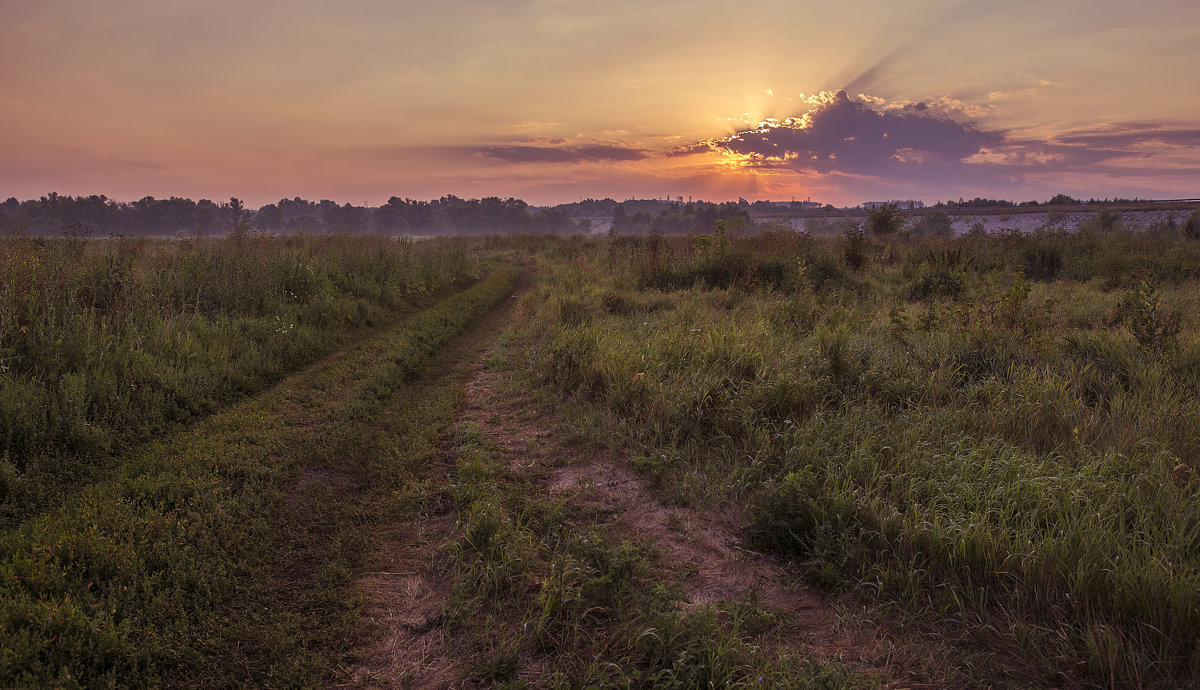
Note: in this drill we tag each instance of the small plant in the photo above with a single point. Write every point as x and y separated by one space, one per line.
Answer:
1013 301
1154 326
899 323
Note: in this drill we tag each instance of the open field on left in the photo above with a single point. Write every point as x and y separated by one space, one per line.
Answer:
196 444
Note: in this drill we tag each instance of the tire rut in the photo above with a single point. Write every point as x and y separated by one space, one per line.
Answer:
405 584
704 550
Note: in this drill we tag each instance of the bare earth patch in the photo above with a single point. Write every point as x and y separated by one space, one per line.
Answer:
704 549
406 590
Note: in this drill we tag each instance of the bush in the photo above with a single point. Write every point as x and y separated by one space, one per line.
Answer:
854 247
1154 326
1042 261
936 224
1191 227
884 219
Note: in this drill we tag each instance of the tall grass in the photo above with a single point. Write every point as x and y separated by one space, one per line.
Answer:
187 566
994 428
104 343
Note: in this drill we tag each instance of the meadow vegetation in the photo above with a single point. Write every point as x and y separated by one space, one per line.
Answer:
105 343
221 551
993 437
991 441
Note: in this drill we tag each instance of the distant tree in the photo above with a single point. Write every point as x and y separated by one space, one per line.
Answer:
235 215
208 218
619 219
1062 199
269 218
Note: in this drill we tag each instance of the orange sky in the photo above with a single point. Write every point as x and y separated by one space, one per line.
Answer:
552 100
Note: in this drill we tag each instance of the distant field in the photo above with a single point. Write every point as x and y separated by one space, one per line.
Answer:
727 459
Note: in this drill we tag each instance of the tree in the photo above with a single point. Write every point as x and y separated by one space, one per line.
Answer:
619 219
884 219
235 213
269 217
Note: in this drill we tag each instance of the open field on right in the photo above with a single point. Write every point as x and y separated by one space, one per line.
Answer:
992 441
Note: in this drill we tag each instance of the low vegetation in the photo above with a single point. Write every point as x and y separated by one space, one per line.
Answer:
218 555
992 436
104 344
990 442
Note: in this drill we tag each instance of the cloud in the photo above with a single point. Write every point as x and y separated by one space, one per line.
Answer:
839 134
936 142
585 153
1131 136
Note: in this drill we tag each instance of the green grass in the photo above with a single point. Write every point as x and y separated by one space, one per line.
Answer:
991 436
201 561
538 583
991 443
104 344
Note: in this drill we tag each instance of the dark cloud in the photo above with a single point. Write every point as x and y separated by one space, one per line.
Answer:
522 153
689 149
844 135
1130 136
924 142
1113 148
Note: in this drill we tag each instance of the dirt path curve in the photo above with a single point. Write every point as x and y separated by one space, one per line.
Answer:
705 550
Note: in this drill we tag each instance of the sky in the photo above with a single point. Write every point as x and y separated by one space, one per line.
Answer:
554 100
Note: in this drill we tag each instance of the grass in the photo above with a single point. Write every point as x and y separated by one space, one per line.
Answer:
990 435
201 561
991 443
543 590
104 344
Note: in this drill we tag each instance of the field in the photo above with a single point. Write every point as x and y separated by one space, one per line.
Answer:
731 459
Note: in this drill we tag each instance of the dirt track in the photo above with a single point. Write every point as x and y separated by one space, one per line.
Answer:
407 585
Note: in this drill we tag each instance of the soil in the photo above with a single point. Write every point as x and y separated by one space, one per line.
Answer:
405 599
705 550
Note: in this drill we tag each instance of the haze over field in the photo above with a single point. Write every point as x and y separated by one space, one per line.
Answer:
550 100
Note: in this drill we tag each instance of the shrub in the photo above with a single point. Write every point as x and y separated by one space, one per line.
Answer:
884 219
1042 261
854 247
1191 227
936 224
1154 326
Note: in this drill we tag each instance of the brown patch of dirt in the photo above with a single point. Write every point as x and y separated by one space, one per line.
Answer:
704 549
406 588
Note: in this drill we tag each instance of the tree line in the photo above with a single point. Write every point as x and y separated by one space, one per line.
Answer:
98 215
